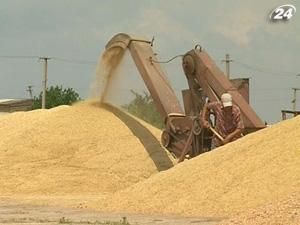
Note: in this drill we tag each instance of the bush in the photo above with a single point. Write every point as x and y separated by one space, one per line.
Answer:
55 96
142 106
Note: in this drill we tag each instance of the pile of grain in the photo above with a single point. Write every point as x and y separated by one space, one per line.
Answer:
260 168
284 212
82 149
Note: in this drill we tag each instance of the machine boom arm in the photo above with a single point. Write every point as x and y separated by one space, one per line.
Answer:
200 68
157 83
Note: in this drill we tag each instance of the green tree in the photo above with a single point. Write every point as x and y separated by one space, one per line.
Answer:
142 106
55 96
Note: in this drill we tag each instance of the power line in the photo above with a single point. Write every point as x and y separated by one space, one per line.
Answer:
87 62
19 56
265 71
270 89
73 61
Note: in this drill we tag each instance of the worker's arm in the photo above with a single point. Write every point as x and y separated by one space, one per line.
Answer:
239 126
204 115
204 121
230 136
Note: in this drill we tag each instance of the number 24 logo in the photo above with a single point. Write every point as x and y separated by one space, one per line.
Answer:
283 12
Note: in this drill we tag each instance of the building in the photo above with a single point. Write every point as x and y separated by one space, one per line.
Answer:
14 105
242 85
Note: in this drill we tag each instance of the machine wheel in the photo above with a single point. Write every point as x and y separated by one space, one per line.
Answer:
165 138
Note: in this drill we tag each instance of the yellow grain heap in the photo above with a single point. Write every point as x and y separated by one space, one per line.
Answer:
260 168
284 212
83 149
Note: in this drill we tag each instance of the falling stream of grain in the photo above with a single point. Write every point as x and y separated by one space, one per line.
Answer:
106 68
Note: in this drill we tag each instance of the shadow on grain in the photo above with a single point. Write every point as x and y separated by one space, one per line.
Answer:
157 153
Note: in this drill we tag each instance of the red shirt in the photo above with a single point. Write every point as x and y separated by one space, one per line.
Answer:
226 124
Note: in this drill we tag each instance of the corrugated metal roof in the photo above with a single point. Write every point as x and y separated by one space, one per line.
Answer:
13 101
5 100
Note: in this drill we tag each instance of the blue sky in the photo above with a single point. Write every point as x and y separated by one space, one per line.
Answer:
79 29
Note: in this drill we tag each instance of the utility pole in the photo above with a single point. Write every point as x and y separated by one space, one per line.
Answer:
227 60
45 80
30 90
295 98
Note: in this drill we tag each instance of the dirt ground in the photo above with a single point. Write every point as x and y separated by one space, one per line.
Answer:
19 213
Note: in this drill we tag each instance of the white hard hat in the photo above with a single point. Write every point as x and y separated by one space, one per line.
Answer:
226 99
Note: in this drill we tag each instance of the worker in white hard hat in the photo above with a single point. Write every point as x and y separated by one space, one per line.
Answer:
229 123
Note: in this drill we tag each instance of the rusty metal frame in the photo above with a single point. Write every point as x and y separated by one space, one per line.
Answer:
183 133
